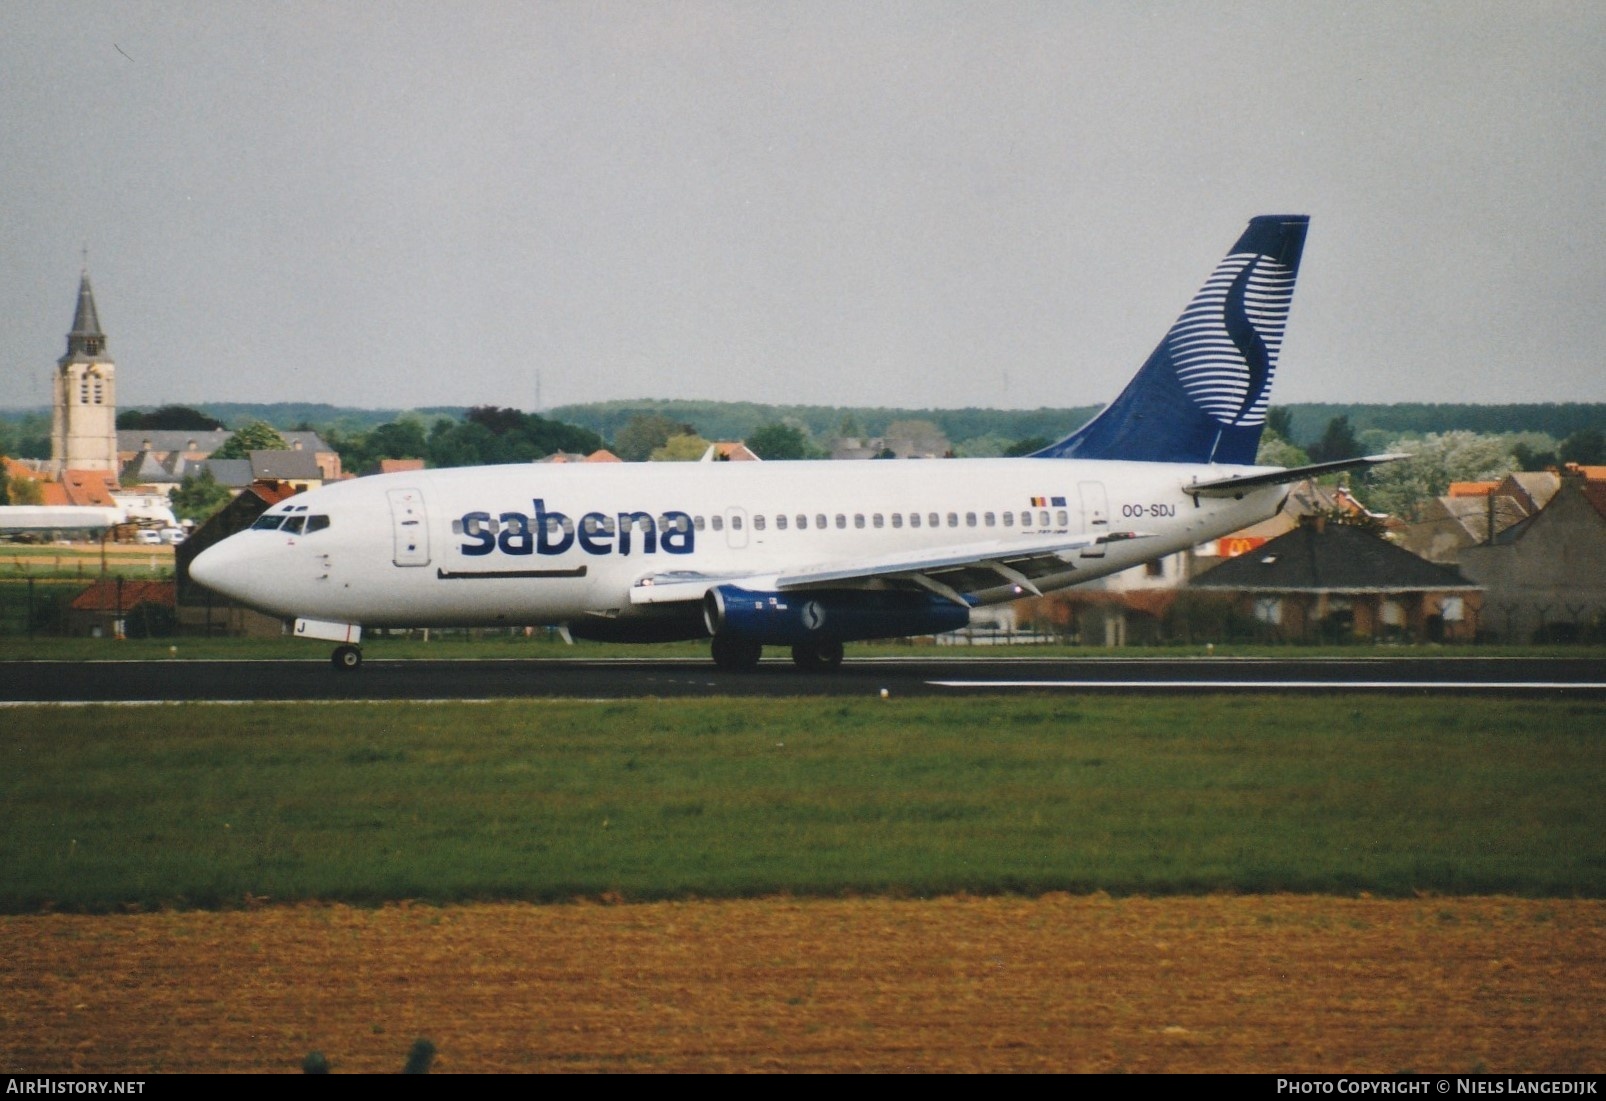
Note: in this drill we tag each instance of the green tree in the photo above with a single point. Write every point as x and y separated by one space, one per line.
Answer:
1275 450
1586 447
198 497
398 439
681 449
1338 442
644 434
1436 460
1280 420
1027 446
255 436
778 441
26 491
1528 457
169 417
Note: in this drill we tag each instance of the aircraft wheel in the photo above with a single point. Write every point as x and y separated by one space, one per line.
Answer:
346 658
817 657
737 654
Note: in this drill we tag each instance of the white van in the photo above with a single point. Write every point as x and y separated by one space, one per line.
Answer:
146 536
172 536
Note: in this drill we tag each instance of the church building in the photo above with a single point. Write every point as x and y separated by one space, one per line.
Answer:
83 434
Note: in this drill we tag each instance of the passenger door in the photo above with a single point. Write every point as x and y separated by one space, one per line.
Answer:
409 526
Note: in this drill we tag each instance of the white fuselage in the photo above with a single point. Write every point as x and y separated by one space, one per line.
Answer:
461 547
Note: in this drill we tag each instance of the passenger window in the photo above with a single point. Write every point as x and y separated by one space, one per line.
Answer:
932 520
877 520
1042 519
780 521
698 522
897 519
1009 519
819 520
718 522
953 519
858 519
736 522
802 522
1062 519
267 523
316 523
970 519
758 522
294 524
914 519
841 521
988 519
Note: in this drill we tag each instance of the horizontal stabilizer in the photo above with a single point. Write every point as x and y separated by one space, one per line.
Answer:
1232 487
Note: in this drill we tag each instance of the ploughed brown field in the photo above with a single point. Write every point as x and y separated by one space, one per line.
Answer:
1255 983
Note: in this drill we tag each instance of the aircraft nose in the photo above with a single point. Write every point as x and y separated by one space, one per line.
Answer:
218 568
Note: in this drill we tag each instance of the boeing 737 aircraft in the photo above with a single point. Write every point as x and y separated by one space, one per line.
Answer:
801 554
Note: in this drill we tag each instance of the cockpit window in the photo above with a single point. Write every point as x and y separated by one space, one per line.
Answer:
316 523
294 524
267 523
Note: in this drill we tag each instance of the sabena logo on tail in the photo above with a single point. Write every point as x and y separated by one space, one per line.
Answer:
1201 397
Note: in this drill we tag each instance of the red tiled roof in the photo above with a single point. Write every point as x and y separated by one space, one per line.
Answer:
102 595
89 487
1471 489
53 493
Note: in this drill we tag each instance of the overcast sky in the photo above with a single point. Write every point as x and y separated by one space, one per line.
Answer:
915 204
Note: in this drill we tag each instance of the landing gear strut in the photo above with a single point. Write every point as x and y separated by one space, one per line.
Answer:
346 658
817 657
736 654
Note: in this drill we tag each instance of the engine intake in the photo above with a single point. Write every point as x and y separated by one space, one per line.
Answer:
837 615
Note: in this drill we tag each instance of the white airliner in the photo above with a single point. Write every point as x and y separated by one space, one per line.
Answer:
802 554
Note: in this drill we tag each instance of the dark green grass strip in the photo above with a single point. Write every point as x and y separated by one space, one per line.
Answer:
203 806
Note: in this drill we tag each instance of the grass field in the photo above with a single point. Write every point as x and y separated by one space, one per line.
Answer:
196 805
975 885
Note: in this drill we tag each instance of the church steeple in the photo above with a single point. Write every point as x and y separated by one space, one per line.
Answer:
83 430
86 341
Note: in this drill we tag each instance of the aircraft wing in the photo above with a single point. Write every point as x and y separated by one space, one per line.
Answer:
951 573
1231 487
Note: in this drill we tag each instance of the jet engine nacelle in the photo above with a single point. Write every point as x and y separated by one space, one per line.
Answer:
784 619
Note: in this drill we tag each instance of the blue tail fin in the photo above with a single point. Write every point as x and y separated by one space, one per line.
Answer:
1202 395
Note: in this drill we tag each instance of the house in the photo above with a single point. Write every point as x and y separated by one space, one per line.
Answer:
1132 606
298 470
602 455
160 457
115 607
1339 582
1444 527
394 466
734 451
1542 576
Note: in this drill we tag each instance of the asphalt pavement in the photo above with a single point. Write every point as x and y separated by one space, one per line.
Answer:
381 679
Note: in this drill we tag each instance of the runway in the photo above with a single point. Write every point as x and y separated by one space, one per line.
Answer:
418 680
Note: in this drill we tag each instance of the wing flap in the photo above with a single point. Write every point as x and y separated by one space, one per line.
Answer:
953 570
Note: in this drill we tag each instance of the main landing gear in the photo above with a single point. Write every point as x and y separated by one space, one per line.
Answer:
346 658
739 655
817 657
